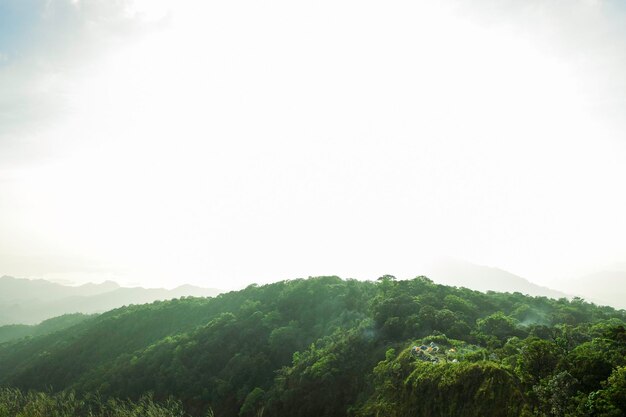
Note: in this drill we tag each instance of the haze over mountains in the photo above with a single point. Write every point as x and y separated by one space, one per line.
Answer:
604 287
25 301
460 273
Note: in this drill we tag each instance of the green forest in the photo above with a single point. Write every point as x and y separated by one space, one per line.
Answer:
321 347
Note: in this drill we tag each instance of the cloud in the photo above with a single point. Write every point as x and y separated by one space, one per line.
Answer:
322 137
587 36
45 46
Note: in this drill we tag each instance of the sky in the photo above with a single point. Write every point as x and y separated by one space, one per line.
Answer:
220 143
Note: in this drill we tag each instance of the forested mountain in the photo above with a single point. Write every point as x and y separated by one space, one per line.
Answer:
17 331
330 347
25 301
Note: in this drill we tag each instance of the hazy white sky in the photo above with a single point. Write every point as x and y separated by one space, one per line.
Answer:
221 143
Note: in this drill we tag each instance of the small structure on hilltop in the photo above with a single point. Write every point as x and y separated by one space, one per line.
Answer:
433 353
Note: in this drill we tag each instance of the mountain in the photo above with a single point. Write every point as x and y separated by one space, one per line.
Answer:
604 287
324 346
17 331
483 278
16 290
24 301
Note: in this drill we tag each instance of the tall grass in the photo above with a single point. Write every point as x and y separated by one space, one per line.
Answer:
14 403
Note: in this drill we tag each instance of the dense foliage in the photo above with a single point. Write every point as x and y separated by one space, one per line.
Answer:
328 347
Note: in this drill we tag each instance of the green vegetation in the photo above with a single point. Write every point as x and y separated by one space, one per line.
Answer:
17 331
328 347
14 403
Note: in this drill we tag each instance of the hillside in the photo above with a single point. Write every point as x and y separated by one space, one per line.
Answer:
17 331
328 347
24 301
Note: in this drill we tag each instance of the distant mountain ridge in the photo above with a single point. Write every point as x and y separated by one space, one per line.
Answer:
25 301
604 287
483 278
19 289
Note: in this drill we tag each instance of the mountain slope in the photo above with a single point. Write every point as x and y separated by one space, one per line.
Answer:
17 331
323 346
